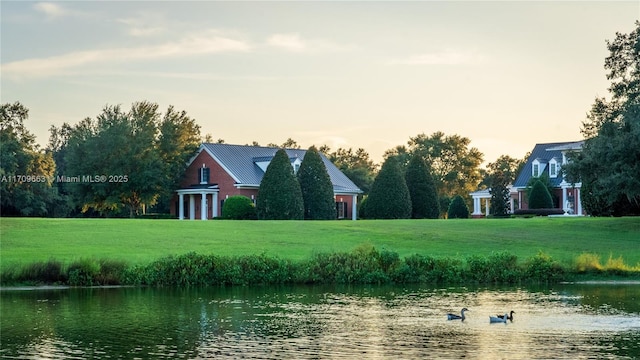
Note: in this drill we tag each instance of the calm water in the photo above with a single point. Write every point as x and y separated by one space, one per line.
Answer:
563 322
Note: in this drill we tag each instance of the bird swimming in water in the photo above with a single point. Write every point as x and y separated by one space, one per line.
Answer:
510 317
498 319
457 317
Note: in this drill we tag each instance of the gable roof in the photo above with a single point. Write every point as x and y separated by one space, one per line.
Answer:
240 163
544 153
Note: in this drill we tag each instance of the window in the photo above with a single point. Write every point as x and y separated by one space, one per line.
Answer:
553 168
341 209
535 170
203 175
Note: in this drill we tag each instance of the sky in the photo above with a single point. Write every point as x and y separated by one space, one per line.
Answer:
351 74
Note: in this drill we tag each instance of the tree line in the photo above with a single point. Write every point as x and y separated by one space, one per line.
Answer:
145 152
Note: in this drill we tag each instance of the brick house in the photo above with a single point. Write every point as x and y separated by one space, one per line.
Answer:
548 159
218 171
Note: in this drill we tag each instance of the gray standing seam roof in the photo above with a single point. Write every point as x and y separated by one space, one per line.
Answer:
240 160
543 152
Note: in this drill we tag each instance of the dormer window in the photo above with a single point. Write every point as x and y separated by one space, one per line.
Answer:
203 174
535 168
554 168
296 164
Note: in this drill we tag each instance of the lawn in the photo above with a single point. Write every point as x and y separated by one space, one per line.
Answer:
137 241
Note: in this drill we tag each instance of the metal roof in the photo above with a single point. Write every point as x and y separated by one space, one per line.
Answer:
240 162
544 153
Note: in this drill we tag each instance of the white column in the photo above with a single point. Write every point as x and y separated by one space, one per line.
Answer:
181 206
477 208
203 206
354 206
192 207
486 207
564 199
511 204
214 206
519 199
577 195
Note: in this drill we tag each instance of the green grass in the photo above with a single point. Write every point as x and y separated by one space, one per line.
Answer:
135 241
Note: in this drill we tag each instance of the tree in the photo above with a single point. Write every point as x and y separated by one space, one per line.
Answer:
609 163
289 144
499 190
499 175
142 153
316 187
279 195
26 172
177 142
356 165
539 197
508 167
458 208
455 166
117 155
389 197
422 190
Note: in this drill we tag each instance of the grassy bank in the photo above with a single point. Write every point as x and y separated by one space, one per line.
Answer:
137 243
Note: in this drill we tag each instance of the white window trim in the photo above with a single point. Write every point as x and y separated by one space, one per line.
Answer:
553 165
535 164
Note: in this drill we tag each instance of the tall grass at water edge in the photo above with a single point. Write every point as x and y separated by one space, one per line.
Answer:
364 265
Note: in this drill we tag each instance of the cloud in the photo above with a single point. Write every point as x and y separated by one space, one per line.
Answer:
290 42
446 57
55 10
141 30
293 42
51 10
144 25
195 44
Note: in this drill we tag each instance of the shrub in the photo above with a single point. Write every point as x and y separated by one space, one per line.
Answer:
541 268
458 208
316 187
279 195
501 267
389 197
540 197
586 262
111 272
422 190
238 207
48 272
83 272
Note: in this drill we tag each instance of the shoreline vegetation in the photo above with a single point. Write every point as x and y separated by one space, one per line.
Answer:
103 252
363 265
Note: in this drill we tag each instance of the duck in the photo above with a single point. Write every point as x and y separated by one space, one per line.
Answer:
510 317
457 317
498 319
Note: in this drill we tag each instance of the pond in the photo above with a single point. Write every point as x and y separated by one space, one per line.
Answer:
369 322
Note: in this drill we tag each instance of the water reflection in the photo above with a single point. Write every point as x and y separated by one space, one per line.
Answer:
570 321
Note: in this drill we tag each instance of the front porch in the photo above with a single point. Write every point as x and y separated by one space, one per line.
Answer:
480 195
205 194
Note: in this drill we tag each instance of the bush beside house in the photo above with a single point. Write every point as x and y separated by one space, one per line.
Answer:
458 208
279 195
539 197
316 187
238 207
389 197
